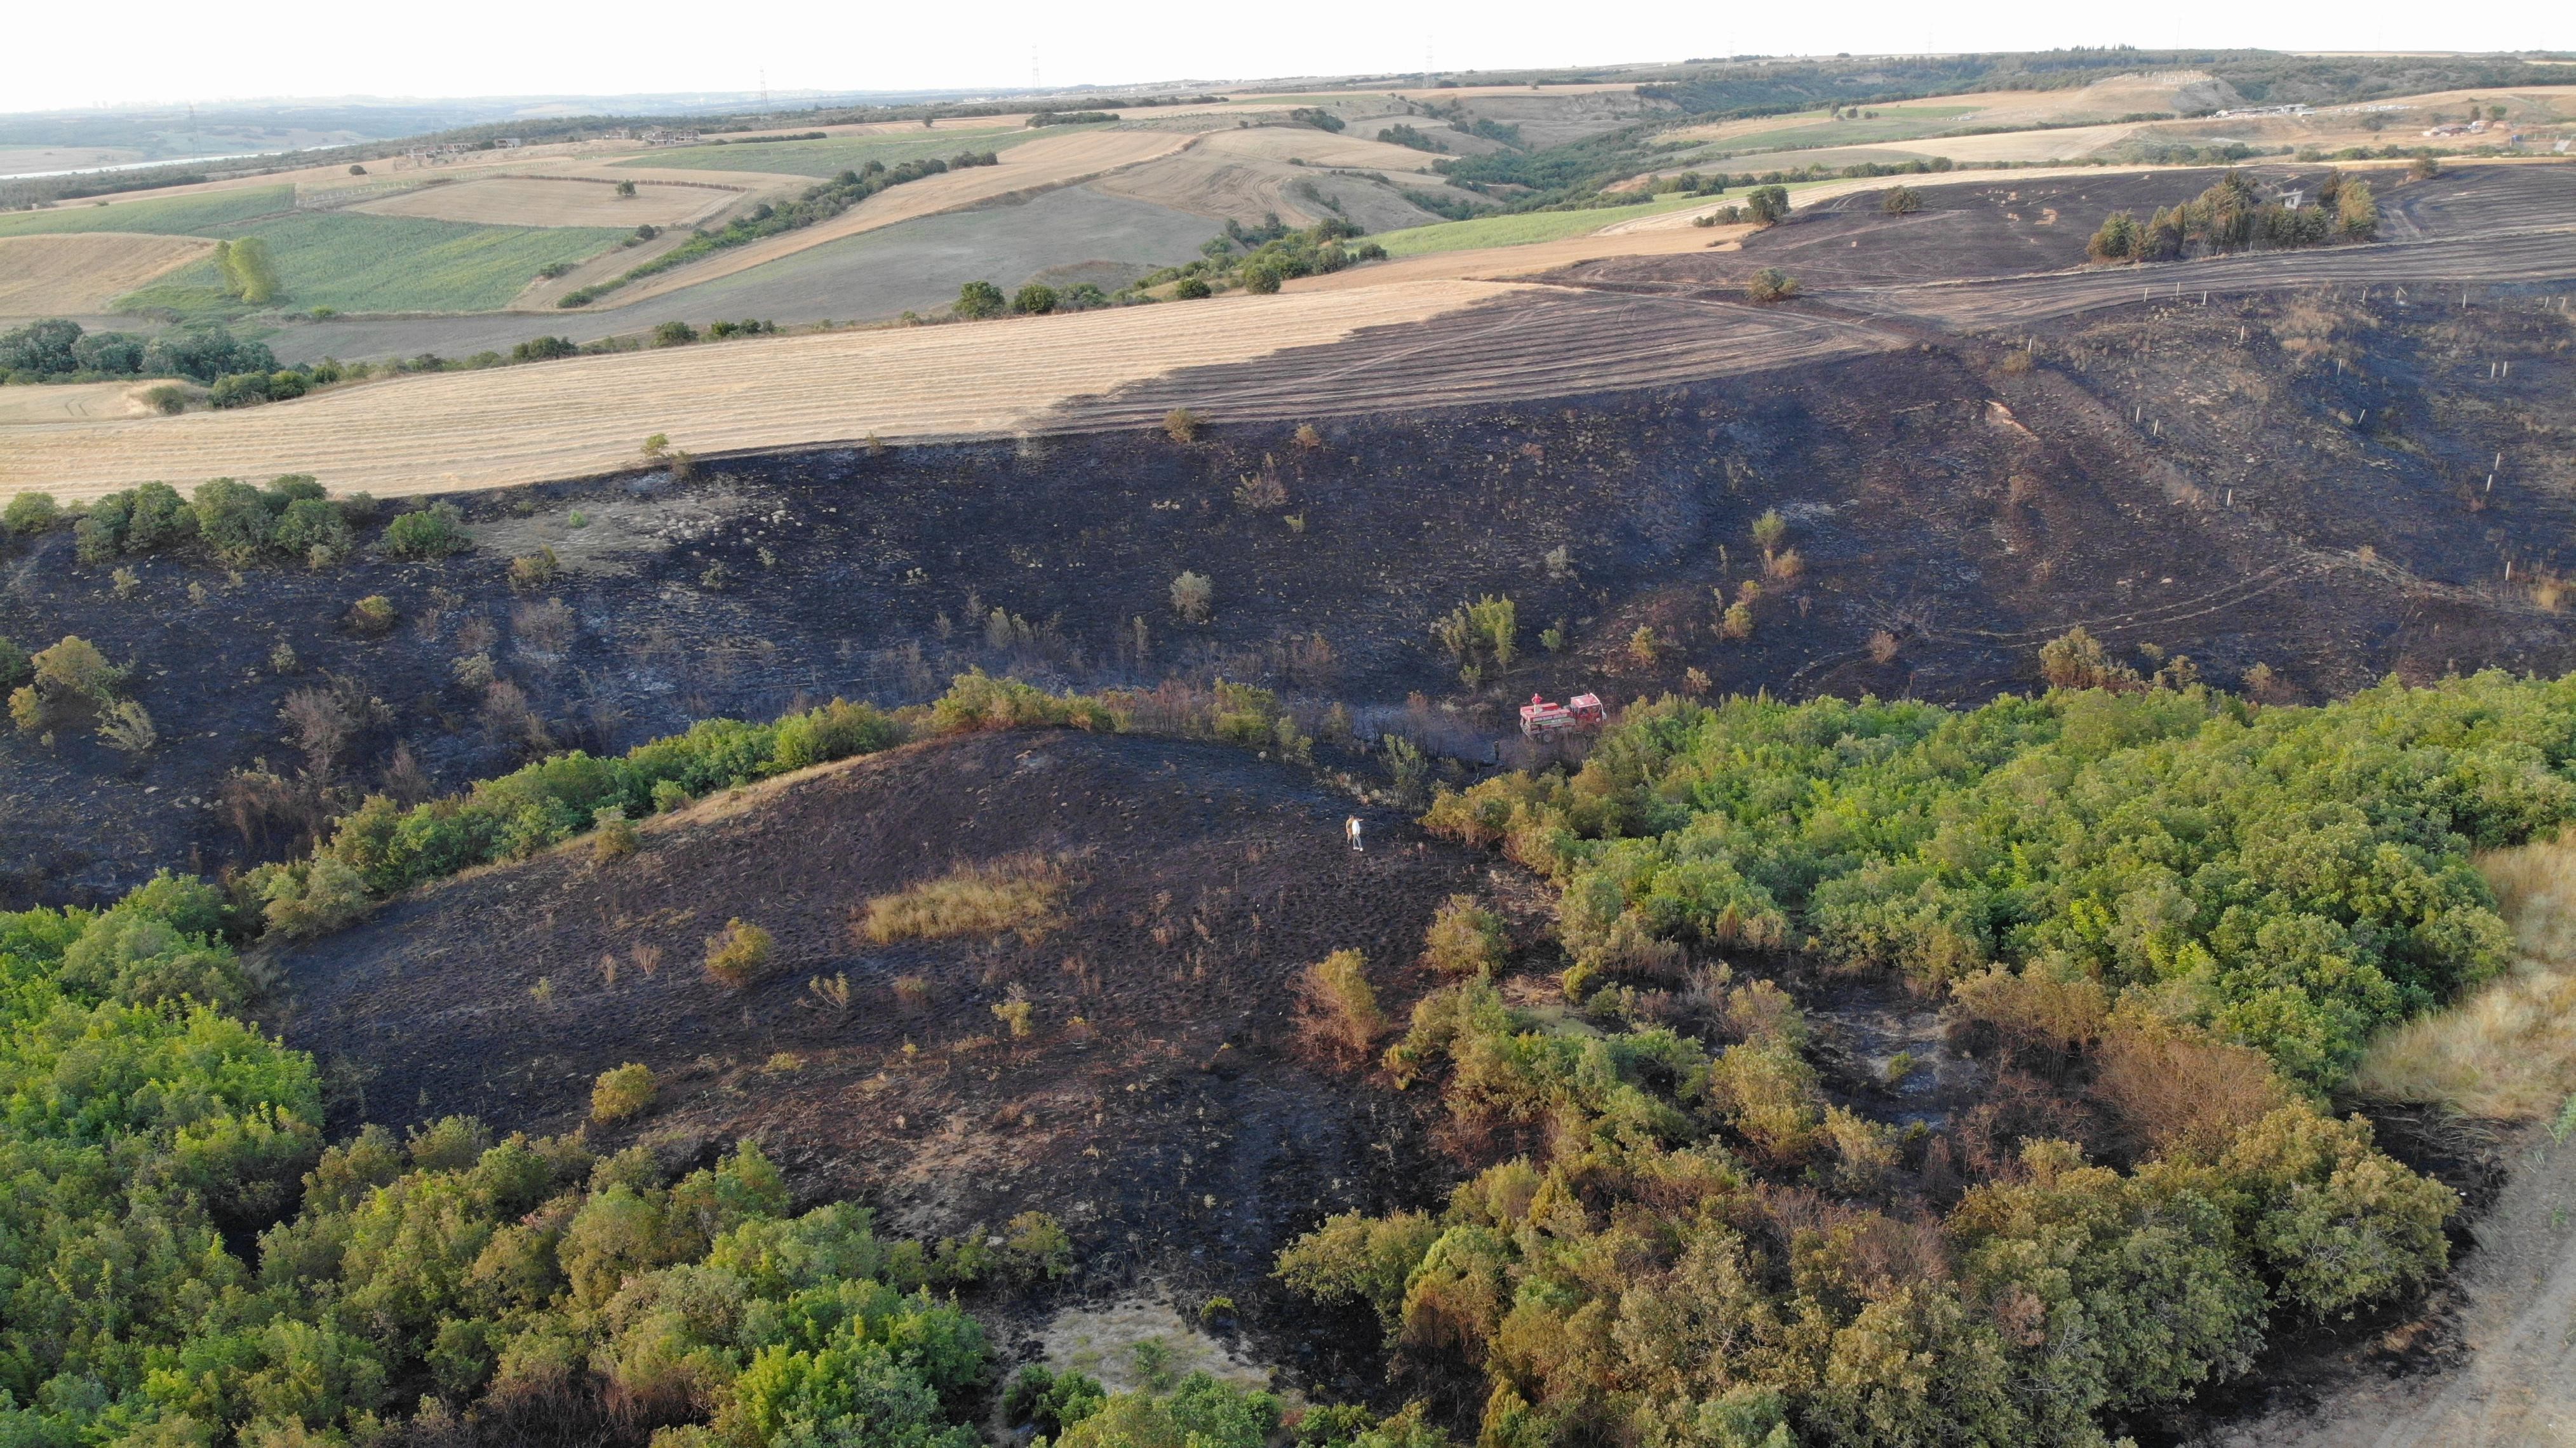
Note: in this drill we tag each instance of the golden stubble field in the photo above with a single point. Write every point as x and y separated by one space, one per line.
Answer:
77 273
447 431
558 201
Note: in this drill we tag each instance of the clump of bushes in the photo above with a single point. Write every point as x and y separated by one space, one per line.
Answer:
427 533
622 1091
1338 1013
1465 939
737 954
1771 284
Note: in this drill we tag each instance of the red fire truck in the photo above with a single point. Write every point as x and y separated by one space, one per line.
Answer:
1540 719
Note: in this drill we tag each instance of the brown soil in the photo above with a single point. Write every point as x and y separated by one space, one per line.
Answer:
1161 1107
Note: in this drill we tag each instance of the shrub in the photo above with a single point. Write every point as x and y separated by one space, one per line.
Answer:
977 301
1771 285
1475 634
71 680
616 837
533 572
1901 201
372 615
1338 1009
737 953
2077 660
1034 300
1465 939
1766 204
1193 596
29 514
2424 168
674 334
427 533
124 726
14 666
1049 1401
1034 1246
1181 425
1260 280
1191 289
622 1091
313 530
2117 239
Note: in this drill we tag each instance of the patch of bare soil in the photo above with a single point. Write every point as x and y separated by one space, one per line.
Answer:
1159 1104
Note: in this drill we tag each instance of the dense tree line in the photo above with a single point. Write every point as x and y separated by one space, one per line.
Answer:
58 350
2232 216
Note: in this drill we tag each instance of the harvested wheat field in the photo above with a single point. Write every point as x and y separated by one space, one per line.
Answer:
444 431
1055 161
80 272
73 402
553 201
1496 263
1318 148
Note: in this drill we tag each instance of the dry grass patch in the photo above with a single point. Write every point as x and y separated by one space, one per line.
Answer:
1018 892
2509 1050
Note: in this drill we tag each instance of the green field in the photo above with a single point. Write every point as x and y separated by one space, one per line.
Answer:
196 214
841 153
359 263
1518 230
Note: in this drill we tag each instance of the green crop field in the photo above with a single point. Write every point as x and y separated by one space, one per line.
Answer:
827 158
361 263
196 214
1529 226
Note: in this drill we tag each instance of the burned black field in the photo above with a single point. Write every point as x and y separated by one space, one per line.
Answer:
2300 483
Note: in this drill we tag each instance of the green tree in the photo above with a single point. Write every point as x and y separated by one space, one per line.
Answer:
1034 300
2357 211
1901 201
2116 239
977 301
1771 284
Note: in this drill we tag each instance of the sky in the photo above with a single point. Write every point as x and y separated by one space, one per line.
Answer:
158 51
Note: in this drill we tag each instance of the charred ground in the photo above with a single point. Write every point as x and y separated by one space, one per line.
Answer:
2299 482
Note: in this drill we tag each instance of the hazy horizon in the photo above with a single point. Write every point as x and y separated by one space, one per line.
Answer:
479 51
